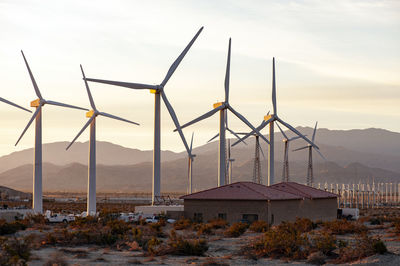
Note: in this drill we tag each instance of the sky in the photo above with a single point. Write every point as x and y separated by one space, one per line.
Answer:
337 62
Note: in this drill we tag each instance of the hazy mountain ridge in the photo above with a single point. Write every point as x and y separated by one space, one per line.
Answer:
352 159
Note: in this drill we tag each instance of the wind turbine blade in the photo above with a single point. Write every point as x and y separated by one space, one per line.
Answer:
283 133
206 115
262 153
244 120
315 130
260 127
296 132
83 129
117 118
302 148
236 135
176 122
35 86
323 157
296 137
227 74
175 65
191 142
15 105
273 86
65 105
88 90
29 123
213 138
137 86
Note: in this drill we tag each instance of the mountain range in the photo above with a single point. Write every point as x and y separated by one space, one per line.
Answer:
352 156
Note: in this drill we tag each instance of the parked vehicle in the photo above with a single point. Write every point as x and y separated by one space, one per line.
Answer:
348 213
58 217
155 219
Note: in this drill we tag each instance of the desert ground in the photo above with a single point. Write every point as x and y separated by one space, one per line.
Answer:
373 240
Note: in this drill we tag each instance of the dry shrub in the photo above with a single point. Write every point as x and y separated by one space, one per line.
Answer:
15 251
364 246
11 228
182 223
304 225
156 228
236 229
342 227
204 229
324 242
396 225
284 241
187 247
218 223
259 226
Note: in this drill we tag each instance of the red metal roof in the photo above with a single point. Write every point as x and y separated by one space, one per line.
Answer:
303 190
242 191
254 191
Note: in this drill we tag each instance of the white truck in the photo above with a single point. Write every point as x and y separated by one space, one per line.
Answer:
58 217
349 213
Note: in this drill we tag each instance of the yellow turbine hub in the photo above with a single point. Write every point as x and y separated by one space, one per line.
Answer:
35 103
267 117
90 113
216 105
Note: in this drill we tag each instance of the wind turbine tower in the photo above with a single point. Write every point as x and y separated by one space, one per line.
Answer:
230 163
37 116
190 167
223 107
286 140
310 147
92 114
159 92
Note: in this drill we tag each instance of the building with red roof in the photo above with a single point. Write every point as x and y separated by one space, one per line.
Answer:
251 201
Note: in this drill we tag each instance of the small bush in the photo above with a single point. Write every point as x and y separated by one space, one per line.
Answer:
15 251
363 247
324 242
236 229
180 246
11 228
182 224
218 223
204 229
375 221
342 227
259 226
304 225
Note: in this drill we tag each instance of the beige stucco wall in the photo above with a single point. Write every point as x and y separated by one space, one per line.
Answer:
234 209
285 210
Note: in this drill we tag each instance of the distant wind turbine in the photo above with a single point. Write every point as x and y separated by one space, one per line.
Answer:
310 172
37 116
223 107
92 114
269 120
159 92
286 140
190 167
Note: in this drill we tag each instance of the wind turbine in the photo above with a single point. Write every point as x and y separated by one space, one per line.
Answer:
227 128
190 169
310 173
286 140
270 120
92 114
159 92
223 107
37 116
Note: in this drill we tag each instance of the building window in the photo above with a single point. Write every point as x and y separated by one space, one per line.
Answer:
272 218
222 216
250 217
198 217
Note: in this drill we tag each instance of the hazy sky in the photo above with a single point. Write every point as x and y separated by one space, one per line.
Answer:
338 62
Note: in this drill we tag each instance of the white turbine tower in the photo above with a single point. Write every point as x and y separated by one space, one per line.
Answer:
310 172
159 92
190 167
286 140
269 120
223 107
230 163
92 114
37 116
